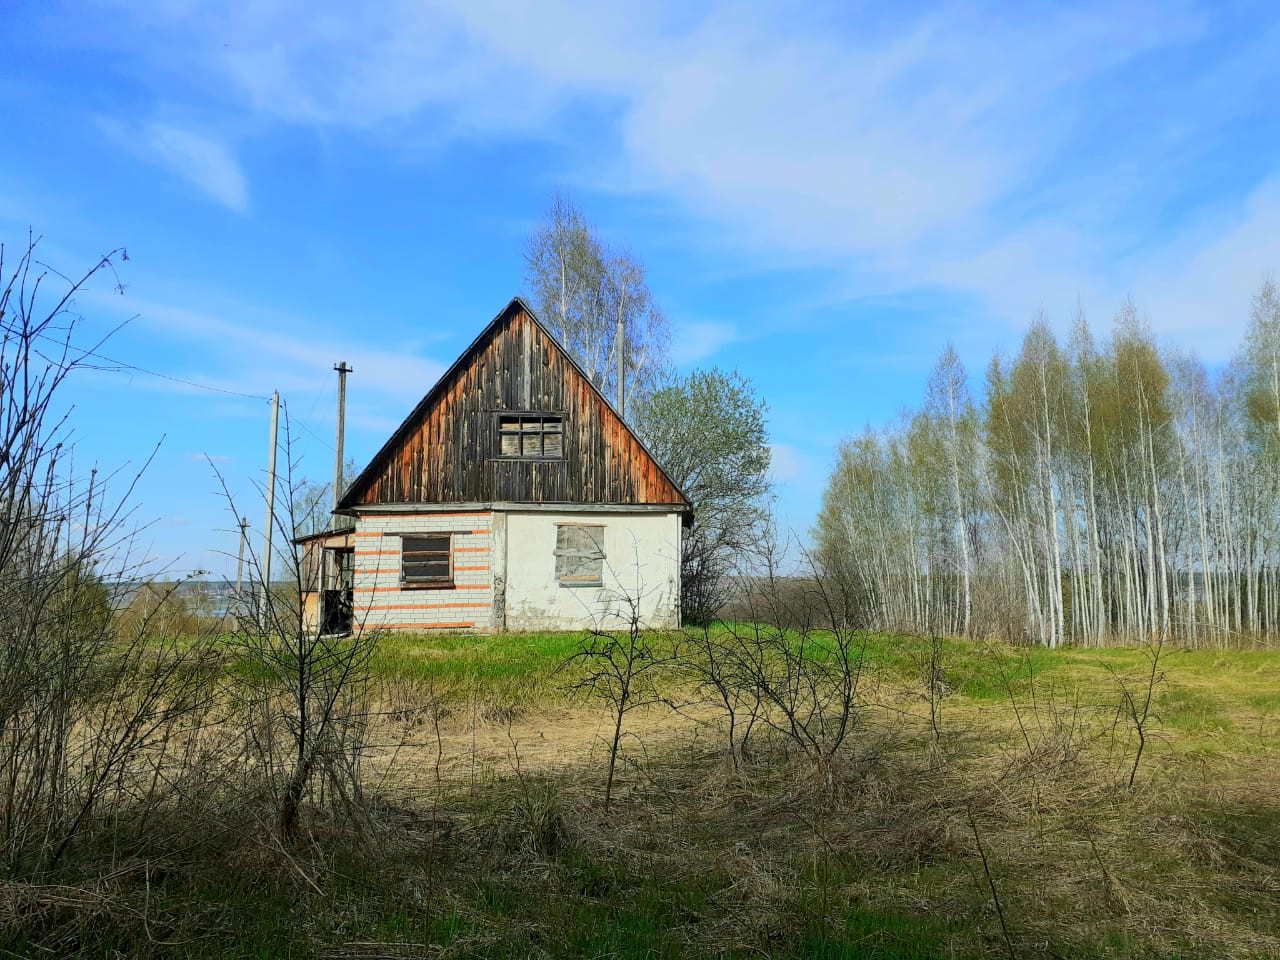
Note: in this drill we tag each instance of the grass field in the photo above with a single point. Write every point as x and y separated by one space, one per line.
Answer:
1009 831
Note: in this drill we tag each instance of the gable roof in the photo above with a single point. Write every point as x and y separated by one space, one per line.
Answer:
355 493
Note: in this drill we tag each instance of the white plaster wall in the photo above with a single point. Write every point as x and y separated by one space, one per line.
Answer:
642 560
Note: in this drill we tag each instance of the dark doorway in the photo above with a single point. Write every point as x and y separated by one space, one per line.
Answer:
336 602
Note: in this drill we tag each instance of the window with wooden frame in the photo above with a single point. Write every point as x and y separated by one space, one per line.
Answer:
531 436
579 555
426 560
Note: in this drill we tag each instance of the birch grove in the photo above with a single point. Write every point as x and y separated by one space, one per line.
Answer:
1093 493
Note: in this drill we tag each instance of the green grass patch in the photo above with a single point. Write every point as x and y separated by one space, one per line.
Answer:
518 667
878 935
1192 710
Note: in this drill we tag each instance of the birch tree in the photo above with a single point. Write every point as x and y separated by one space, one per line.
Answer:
584 290
950 406
1093 493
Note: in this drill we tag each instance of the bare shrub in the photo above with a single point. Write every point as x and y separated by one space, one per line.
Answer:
795 668
530 817
161 608
1137 695
933 676
619 667
96 718
305 697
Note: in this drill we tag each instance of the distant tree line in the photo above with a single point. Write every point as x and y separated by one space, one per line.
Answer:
1090 493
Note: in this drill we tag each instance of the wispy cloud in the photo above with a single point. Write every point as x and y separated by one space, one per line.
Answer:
1013 160
276 352
692 342
203 161
790 466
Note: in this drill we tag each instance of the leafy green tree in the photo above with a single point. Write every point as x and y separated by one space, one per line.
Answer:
1261 368
708 431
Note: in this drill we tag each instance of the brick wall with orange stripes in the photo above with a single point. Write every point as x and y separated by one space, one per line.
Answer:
380 600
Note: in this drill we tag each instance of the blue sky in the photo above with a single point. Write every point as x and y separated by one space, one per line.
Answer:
823 199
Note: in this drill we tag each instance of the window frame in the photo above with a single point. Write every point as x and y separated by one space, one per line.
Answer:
543 416
424 583
559 552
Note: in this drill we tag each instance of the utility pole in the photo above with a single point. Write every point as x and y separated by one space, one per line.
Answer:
621 341
244 536
271 507
343 370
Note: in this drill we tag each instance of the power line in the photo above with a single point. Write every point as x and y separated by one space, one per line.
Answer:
314 435
119 366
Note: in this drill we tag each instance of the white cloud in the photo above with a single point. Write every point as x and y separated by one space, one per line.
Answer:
1198 293
269 355
696 341
206 163
203 161
788 465
1007 157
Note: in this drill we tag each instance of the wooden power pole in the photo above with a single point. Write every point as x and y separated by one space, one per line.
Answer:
343 370
621 341
244 536
271 506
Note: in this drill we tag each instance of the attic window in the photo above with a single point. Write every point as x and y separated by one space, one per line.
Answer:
426 561
531 436
579 555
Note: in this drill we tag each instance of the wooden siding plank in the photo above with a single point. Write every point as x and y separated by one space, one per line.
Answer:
448 454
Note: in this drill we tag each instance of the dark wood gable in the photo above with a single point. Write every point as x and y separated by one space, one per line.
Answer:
448 450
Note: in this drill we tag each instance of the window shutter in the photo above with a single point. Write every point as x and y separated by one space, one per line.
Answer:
531 436
580 554
426 560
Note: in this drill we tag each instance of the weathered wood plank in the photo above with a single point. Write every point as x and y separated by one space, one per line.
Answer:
450 451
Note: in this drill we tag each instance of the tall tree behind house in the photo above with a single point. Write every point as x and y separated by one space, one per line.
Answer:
707 429
583 289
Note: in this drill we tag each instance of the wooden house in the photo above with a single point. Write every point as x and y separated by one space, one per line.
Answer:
513 497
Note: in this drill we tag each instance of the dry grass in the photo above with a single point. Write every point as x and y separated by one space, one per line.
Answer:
485 834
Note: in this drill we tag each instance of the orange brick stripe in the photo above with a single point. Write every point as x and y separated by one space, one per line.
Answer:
419 626
428 516
420 533
460 586
430 606
483 566
396 553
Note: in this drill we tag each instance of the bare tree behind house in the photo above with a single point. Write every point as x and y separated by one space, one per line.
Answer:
583 290
313 499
